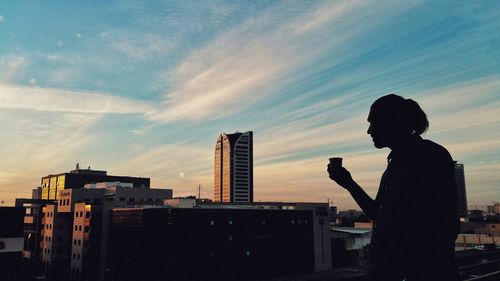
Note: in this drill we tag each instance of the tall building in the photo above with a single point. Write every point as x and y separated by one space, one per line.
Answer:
461 192
52 184
233 181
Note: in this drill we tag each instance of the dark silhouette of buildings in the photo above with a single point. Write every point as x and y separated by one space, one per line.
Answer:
210 243
233 177
11 241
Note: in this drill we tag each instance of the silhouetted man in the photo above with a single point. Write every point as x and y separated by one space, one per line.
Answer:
415 210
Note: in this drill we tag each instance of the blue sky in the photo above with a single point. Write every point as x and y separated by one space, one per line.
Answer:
144 88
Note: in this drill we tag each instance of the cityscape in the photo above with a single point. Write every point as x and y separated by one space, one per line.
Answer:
250 140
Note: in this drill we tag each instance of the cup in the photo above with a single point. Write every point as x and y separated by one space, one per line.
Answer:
336 161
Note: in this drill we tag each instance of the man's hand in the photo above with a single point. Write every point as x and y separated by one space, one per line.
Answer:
341 176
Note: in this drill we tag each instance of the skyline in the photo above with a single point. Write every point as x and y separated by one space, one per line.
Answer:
144 89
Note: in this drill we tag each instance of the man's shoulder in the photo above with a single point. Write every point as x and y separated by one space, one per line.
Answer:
430 148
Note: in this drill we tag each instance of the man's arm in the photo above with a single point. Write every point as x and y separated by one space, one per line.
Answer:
343 178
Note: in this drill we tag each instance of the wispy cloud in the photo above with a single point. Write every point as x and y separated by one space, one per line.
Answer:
11 65
241 66
48 99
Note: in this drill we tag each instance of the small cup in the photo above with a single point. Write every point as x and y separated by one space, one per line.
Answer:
336 161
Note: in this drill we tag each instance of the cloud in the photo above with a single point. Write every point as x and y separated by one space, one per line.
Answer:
60 100
243 65
140 47
2 18
11 66
32 81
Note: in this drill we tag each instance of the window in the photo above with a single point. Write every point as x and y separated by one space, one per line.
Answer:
79 228
86 229
87 215
79 242
122 199
74 241
230 222
76 227
81 214
212 222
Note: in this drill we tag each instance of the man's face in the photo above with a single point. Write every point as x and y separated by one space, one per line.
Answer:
381 130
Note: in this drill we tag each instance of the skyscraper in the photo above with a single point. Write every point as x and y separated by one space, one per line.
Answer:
233 180
461 193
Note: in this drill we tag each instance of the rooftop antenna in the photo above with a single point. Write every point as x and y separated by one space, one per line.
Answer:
199 191
77 165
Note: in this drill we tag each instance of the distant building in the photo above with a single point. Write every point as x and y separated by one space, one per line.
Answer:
493 209
461 192
349 246
77 178
233 177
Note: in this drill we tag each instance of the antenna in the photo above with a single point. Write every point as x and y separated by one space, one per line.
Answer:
199 191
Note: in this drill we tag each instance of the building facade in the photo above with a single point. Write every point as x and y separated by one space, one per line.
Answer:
11 241
233 175
69 236
78 178
461 191
210 243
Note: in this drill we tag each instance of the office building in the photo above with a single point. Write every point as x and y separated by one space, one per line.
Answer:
210 243
320 220
52 184
68 232
461 191
233 177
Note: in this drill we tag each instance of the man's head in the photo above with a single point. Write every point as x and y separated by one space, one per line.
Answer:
393 119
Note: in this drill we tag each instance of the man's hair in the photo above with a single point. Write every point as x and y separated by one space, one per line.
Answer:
405 112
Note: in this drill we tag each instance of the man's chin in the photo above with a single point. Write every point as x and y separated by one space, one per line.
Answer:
378 145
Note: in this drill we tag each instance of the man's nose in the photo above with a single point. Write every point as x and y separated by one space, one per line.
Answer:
369 131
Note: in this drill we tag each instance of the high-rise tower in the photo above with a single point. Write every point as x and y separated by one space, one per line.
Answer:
461 193
233 180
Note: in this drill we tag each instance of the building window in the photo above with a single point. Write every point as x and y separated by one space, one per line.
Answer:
122 199
76 227
230 222
87 215
212 222
79 242
74 242
81 214
247 253
86 229
79 228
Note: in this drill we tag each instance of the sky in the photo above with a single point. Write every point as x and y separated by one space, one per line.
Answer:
144 88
